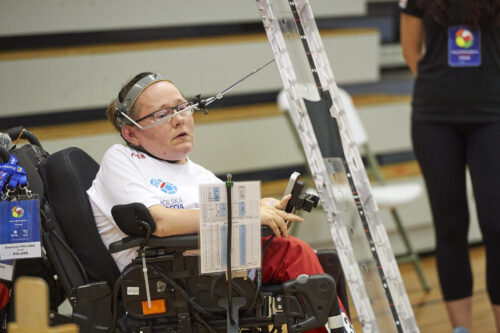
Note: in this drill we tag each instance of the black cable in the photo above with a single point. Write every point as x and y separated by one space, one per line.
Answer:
267 245
257 291
181 291
229 184
259 276
212 286
203 322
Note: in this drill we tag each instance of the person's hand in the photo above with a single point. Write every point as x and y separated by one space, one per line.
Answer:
273 215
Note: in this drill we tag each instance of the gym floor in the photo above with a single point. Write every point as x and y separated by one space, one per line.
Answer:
429 308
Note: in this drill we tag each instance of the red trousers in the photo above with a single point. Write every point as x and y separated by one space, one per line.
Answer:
4 295
287 258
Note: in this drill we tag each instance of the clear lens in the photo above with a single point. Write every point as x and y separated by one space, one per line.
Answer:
182 106
183 110
161 114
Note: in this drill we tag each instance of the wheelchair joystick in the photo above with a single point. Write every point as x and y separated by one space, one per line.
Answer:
142 252
301 201
146 280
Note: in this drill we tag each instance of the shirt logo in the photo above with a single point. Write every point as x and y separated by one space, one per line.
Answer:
176 203
138 156
166 187
17 212
464 38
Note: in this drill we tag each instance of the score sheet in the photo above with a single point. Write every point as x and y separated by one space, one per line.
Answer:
246 243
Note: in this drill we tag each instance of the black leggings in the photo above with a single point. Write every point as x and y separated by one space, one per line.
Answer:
443 151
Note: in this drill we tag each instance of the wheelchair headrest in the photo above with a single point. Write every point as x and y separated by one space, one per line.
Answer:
20 132
127 217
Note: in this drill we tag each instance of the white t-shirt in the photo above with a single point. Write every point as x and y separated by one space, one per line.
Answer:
127 176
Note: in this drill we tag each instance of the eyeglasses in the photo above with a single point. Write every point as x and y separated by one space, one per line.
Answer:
166 114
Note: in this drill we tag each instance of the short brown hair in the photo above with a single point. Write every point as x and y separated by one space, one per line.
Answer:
111 110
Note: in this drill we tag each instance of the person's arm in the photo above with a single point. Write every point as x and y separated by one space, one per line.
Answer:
412 40
171 221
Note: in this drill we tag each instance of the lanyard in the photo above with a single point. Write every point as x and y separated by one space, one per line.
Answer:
12 175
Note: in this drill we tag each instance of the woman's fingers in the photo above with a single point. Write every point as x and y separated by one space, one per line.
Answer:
276 224
290 217
283 227
278 221
283 202
275 229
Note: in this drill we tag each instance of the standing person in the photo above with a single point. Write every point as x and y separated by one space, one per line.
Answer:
453 48
156 122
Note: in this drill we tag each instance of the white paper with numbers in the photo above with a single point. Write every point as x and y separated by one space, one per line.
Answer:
246 246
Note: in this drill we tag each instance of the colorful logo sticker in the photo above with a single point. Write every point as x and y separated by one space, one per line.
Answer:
17 212
464 46
166 187
464 38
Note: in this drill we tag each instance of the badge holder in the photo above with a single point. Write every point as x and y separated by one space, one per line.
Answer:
464 47
19 218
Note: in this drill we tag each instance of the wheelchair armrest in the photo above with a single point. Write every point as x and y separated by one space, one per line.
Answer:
183 242
129 217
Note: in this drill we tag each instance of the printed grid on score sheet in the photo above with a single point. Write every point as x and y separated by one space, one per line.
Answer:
246 243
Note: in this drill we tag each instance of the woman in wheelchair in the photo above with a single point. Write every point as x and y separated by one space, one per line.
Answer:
154 169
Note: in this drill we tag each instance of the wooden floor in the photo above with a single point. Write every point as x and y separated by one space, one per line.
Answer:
429 308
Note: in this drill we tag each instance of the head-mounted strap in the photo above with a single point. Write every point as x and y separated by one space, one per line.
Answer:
124 106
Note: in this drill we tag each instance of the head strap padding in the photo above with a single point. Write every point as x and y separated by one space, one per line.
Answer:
125 106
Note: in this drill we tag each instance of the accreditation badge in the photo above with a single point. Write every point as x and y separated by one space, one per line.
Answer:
19 229
464 47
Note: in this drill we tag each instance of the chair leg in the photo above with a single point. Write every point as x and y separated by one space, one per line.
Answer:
411 255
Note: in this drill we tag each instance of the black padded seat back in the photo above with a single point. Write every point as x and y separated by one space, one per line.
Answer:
67 175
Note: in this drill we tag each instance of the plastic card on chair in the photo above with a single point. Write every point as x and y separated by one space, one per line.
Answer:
6 269
246 246
19 229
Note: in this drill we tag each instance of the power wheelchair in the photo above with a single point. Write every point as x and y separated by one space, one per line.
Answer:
77 266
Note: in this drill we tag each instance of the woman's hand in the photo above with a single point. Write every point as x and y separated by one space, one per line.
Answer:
273 215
